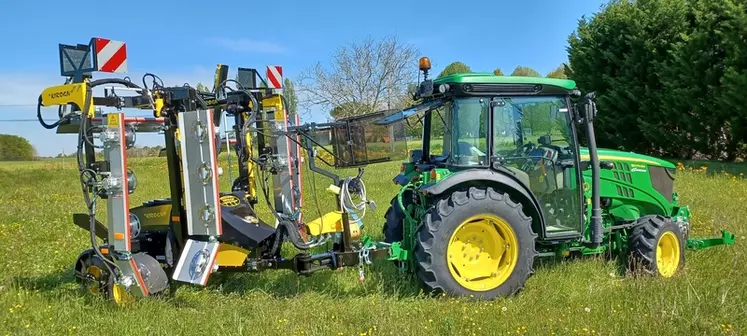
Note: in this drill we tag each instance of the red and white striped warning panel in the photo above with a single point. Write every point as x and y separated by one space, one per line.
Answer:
111 56
275 76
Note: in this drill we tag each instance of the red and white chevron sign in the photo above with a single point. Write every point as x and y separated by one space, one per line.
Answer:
275 76
111 56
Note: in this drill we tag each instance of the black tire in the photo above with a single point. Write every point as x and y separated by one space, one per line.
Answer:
643 241
442 220
100 280
394 219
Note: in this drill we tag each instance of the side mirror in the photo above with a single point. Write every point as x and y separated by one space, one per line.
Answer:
590 106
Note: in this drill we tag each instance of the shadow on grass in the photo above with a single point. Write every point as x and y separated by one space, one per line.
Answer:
44 283
380 279
550 263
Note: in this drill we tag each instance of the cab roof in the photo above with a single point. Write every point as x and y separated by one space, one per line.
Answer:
490 78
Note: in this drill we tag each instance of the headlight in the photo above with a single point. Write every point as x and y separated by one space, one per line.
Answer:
443 88
134 226
131 181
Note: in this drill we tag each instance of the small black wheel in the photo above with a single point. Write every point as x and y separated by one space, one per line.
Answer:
95 277
92 274
656 247
475 242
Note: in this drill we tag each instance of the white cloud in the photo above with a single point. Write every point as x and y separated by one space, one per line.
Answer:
247 45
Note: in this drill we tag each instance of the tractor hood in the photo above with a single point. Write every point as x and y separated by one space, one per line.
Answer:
616 155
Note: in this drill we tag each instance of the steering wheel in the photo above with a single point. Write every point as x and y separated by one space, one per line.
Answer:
539 155
524 150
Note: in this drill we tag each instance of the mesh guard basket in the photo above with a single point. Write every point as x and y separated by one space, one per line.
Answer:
359 141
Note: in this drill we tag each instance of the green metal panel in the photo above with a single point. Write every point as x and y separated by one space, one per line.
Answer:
616 155
490 78
629 185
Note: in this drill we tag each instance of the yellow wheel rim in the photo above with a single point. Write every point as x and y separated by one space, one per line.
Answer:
95 272
482 252
667 254
121 296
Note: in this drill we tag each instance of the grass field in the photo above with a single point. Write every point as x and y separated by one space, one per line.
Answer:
38 245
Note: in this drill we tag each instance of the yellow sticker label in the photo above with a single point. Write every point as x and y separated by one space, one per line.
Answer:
112 120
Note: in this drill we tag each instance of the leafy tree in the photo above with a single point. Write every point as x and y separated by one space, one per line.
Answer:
16 148
201 87
525 71
290 95
669 76
455 67
704 81
559 72
498 72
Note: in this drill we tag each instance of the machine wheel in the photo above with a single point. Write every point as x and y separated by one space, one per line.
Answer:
656 247
394 219
94 278
475 242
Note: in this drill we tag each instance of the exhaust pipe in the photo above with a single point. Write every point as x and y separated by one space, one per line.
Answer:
590 111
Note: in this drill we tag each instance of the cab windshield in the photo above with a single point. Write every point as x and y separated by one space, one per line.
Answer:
459 128
522 124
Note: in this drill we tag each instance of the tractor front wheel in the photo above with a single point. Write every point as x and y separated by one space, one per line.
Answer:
656 247
475 242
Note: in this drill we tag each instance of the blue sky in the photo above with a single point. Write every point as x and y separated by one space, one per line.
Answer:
182 41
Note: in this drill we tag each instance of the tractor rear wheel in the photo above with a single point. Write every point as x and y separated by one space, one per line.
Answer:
475 242
656 247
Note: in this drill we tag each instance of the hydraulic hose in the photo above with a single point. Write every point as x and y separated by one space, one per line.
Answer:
41 120
90 204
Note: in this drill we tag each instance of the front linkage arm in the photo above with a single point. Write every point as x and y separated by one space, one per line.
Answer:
727 238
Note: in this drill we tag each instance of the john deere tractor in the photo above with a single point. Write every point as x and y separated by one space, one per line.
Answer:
501 180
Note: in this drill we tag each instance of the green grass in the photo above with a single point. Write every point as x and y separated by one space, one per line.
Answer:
38 245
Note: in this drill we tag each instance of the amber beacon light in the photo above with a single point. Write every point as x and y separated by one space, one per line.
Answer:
424 64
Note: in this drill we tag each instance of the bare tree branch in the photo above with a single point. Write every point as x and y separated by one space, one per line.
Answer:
364 76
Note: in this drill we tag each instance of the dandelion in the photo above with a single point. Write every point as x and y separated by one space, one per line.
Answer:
587 309
504 309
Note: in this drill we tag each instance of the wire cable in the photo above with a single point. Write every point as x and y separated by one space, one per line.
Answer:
346 199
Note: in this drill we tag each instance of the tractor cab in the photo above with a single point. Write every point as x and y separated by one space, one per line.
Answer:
519 127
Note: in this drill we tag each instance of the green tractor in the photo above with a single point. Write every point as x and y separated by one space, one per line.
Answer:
501 180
